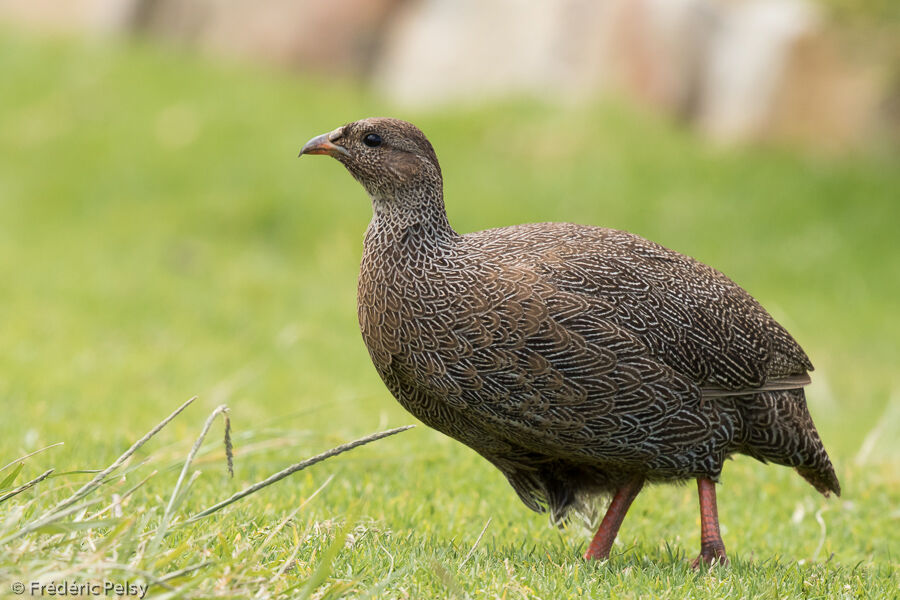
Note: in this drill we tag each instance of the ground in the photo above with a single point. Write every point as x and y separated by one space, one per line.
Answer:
160 240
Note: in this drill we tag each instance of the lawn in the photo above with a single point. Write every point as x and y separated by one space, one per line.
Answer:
160 240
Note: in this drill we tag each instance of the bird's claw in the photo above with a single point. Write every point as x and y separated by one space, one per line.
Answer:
712 556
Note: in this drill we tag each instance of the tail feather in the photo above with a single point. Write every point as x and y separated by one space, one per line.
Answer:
778 428
824 480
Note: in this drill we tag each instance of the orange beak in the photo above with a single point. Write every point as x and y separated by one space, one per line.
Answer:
322 144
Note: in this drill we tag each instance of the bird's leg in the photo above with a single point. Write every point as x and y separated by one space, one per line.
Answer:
712 549
609 527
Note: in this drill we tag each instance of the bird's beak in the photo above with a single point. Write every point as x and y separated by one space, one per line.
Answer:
322 144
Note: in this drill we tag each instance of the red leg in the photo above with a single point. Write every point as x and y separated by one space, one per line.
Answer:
712 549
609 527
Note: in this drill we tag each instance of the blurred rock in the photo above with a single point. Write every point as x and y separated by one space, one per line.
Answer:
774 71
749 50
446 51
826 101
654 50
658 52
338 36
69 15
737 69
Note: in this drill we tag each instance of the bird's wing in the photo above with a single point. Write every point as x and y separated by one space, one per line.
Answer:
773 385
690 316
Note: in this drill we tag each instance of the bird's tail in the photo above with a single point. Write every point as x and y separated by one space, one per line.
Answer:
778 428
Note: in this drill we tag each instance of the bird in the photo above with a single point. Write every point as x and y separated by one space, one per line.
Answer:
583 362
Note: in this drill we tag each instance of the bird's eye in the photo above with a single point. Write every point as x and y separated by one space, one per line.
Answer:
372 140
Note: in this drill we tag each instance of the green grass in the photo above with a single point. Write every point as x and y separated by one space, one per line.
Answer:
159 239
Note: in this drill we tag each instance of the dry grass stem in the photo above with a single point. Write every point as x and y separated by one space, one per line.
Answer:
26 486
297 467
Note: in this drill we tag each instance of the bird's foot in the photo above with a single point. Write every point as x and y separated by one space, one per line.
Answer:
712 555
593 554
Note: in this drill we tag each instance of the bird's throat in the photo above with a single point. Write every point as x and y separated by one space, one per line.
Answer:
397 218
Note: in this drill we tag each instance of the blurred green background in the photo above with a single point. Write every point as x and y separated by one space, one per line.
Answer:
159 239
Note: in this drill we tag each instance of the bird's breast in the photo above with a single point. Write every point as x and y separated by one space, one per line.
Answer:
417 316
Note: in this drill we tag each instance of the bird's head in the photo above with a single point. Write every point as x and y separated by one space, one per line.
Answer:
389 157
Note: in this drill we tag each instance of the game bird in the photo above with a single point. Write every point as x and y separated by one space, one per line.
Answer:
582 362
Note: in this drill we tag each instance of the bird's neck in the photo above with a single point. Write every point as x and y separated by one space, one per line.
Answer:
407 214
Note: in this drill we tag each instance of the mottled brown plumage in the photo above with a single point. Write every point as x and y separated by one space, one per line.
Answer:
580 361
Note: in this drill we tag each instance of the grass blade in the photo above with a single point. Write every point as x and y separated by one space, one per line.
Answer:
62 507
297 467
9 479
176 497
25 486
21 458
